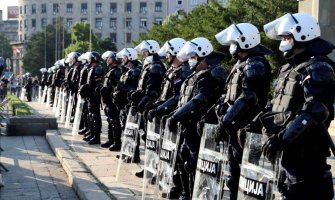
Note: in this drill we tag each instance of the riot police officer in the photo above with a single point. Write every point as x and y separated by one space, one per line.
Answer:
304 96
247 88
84 120
198 93
110 82
44 77
149 85
173 79
28 86
92 93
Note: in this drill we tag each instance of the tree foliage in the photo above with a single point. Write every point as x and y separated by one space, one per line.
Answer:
206 20
81 40
5 48
41 47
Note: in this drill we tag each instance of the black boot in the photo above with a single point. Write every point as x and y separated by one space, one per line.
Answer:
82 131
88 136
116 146
110 141
184 180
140 174
95 139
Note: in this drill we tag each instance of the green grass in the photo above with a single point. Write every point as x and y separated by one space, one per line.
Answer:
18 106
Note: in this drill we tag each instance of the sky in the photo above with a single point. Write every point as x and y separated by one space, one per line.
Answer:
4 4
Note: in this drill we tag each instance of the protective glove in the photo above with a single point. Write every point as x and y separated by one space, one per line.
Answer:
221 132
200 127
151 114
171 124
271 147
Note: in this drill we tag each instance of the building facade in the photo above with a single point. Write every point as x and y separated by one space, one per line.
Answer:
9 28
120 20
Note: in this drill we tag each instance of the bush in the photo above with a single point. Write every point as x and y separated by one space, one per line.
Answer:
18 106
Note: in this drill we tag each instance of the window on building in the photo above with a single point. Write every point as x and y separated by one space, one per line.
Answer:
113 37
194 2
25 36
143 7
44 8
25 23
113 8
112 23
143 23
179 3
98 7
84 8
43 22
83 19
98 23
128 37
25 9
128 23
158 20
69 22
99 35
33 9
21 10
69 7
55 8
20 25
158 6
33 23
128 7
53 21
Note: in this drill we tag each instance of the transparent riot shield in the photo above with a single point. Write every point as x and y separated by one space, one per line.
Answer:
39 93
59 103
68 111
49 97
55 99
152 149
63 109
258 177
44 94
77 115
126 169
167 162
211 166
23 94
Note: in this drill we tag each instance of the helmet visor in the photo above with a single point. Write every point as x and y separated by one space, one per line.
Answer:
187 51
228 35
164 50
279 27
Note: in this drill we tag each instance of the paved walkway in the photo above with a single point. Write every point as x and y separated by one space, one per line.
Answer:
34 171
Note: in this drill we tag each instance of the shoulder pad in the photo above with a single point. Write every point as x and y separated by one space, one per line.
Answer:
321 72
117 72
136 72
98 70
156 68
255 67
219 73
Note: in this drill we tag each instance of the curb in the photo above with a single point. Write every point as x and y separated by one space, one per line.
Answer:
81 180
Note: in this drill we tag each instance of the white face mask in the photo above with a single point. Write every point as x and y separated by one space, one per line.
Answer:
285 46
233 48
192 62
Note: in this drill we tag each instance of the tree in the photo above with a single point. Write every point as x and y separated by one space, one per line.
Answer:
40 48
206 20
5 48
81 40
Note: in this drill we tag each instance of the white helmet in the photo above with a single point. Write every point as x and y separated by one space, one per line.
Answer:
172 46
43 70
150 45
245 34
50 70
198 46
129 52
83 57
72 58
111 54
302 26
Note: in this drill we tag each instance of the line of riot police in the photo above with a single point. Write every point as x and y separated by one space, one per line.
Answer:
204 128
